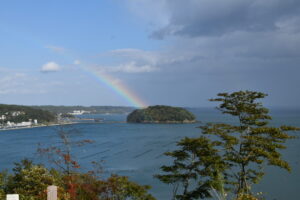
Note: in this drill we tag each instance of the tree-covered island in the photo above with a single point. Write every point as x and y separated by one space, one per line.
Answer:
161 114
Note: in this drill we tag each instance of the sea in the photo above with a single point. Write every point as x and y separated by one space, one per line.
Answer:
137 150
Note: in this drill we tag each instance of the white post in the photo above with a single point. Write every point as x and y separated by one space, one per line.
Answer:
52 192
12 197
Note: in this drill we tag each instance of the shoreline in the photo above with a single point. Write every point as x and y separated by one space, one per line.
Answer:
38 126
166 122
60 124
109 122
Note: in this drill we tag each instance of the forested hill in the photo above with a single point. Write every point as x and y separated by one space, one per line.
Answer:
17 113
161 114
90 109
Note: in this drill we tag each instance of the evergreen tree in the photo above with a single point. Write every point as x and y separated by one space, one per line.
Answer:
196 168
233 158
250 143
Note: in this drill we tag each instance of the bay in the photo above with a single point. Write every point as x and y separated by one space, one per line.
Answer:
136 150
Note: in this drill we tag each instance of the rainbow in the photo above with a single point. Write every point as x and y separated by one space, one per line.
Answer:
117 87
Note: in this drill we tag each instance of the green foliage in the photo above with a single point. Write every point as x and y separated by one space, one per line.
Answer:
119 187
196 168
30 181
85 186
232 159
66 115
26 114
160 114
3 180
250 143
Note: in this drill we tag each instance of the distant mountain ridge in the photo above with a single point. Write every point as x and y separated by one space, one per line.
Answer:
89 109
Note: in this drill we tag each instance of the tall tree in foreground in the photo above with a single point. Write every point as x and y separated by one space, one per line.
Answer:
196 168
241 148
249 143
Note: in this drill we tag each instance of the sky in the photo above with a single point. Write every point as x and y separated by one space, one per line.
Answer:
148 52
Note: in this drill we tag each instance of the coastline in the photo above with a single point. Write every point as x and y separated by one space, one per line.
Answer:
166 122
108 122
38 126
58 124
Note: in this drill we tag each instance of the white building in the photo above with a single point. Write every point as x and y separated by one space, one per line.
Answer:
77 112
23 124
9 124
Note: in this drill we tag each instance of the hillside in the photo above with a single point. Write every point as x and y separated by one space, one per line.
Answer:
16 114
161 114
89 109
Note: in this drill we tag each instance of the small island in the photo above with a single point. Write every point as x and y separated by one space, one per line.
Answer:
161 114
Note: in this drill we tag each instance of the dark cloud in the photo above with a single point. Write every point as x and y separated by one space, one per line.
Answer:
193 18
214 46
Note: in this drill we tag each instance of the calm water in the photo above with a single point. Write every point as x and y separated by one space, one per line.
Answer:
136 150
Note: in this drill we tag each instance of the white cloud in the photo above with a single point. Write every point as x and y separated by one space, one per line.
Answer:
56 49
215 31
18 83
137 55
77 62
154 59
144 10
50 67
130 60
213 17
130 67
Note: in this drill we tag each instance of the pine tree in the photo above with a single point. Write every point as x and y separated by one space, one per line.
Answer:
196 168
232 159
250 143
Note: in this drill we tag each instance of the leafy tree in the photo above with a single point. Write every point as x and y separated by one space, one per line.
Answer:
30 181
250 143
196 168
241 149
3 181
121 188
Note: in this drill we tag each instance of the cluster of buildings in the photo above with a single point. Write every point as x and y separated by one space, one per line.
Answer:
78 112
9 124
21 124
